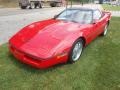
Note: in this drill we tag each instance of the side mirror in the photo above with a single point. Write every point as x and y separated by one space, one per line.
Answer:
55 16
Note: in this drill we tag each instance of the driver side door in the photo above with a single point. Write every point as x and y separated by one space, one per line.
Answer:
97 23
94 29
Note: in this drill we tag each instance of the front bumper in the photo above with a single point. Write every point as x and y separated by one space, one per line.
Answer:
37 63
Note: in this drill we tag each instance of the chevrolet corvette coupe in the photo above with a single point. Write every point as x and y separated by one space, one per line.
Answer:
61 39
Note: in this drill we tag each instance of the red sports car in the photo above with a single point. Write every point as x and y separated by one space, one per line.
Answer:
61 39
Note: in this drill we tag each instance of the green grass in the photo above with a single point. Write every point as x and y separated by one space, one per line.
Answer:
98 68
110 7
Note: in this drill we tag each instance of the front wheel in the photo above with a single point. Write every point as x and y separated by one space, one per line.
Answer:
76 51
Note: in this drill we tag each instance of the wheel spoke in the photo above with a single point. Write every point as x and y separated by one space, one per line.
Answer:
77 51
105 31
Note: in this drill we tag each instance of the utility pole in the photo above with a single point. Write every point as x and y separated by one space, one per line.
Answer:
71 3
82 2
66 4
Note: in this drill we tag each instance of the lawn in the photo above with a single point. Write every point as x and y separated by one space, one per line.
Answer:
110 7
98 68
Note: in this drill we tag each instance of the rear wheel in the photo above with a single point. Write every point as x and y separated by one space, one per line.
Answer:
76 51
105 30
23 7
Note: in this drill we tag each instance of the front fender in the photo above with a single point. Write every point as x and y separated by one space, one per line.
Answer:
67 43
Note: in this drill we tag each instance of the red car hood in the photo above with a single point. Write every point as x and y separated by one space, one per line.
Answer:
42 41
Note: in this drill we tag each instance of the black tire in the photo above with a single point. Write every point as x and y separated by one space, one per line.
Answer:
105 30
23 7
53 4
71 60
40 5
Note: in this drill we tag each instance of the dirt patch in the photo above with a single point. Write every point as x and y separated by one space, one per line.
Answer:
9 3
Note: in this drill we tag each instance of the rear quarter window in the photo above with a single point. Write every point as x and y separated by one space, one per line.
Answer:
97 15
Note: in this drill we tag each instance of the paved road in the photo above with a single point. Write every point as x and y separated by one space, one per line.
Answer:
13 19
115 13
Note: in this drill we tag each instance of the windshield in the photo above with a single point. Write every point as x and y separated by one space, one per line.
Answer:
79 16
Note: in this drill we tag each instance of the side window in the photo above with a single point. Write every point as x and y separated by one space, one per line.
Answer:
96 15
84 17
